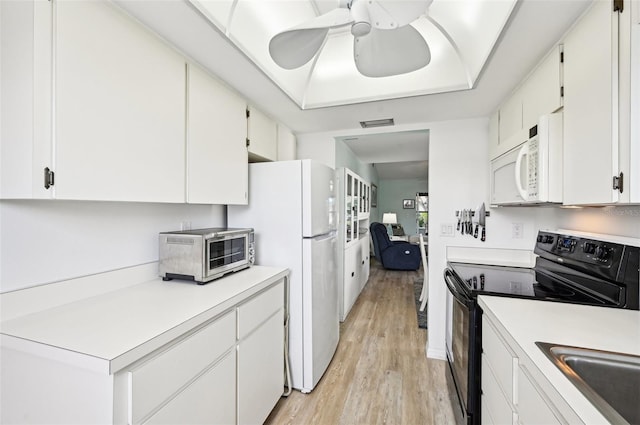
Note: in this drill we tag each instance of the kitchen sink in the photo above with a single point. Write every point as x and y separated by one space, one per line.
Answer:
611 381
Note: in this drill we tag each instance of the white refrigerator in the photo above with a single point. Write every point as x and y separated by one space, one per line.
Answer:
292 208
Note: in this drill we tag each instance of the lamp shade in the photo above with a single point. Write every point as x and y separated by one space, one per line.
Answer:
389 218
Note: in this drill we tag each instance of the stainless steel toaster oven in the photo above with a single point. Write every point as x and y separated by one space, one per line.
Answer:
202 255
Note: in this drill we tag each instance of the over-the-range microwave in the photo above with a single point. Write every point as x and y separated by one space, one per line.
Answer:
202 255
531 173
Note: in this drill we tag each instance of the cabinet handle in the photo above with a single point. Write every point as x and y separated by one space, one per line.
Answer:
353 273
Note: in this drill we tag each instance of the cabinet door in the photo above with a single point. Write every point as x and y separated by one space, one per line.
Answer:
210 399
26 96
262 133
590 107
494 135
494 403
119 108
261 370
352 270
510 126
364 261
217 163
541 92
532 407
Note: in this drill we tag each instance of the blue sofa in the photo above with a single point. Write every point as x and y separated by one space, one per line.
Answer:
394 255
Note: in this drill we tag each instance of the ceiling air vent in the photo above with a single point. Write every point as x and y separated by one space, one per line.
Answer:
377 123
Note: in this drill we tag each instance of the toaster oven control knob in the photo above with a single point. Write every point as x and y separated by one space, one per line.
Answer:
252 254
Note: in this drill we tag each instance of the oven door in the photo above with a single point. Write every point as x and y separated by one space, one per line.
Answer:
462 346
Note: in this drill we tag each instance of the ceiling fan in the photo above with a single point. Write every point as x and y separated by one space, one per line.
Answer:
384 43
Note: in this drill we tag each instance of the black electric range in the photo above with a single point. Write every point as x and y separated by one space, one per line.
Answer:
570 268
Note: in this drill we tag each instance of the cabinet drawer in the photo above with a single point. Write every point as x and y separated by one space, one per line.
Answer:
154 381
500 359
493 398
210 399
256 311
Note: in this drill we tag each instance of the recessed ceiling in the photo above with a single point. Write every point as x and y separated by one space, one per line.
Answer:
460 33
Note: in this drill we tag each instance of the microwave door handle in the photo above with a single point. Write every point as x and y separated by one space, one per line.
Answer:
523 151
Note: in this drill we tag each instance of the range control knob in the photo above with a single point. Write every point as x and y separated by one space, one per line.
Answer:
589 248
601 252
548 239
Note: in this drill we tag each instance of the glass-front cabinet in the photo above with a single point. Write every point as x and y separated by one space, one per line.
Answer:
356 205
353 261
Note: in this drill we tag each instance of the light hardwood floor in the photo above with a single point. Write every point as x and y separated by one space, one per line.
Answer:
380 373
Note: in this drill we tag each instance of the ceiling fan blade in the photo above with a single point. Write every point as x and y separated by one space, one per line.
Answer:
391 14
383 53
296 46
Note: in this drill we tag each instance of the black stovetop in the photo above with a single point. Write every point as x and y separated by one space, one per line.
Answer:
534 283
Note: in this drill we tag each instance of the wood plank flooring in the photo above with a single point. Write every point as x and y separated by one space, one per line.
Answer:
380 373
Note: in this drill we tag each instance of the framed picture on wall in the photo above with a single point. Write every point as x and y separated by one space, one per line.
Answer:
374 195
408 203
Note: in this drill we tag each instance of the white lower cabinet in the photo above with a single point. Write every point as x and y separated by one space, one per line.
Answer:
228 370
210 399
509 392
260 371
231 371
533 409
260 356
499 376
153 382
351 278
364 261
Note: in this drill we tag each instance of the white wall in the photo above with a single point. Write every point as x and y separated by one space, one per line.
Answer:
49 241
318 146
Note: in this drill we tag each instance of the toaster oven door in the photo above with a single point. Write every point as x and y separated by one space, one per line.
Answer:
226 253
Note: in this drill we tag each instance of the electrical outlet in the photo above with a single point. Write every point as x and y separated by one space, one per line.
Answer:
446 229
517 230
185 225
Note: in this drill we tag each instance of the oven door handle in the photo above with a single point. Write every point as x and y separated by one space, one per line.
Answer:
450 280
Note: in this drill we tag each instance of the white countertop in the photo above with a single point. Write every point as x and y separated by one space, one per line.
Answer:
122 326
528 321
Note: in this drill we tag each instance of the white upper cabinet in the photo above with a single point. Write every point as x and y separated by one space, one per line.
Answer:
25 96
262 133
217 163
542 92
510 127
119 108
539 94
591 139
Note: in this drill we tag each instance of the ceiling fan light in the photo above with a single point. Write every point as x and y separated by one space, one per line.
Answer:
377 123
359 29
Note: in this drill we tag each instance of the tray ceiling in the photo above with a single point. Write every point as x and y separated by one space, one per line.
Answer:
460 33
